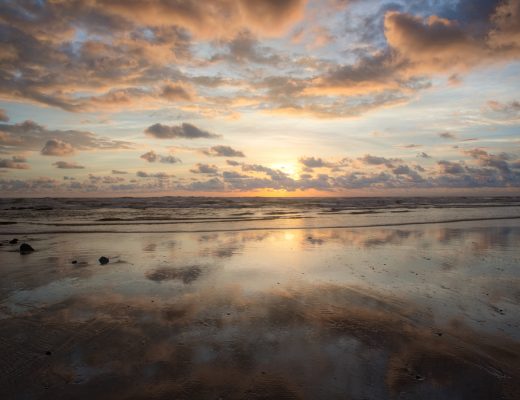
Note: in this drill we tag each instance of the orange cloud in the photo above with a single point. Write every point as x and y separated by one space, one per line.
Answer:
205 19
433 44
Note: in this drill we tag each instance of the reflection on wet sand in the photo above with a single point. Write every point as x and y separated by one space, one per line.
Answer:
185 274
417 312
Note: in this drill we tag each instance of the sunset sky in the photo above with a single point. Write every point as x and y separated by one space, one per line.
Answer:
259 97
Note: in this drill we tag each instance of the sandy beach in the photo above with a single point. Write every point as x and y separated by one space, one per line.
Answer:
426 311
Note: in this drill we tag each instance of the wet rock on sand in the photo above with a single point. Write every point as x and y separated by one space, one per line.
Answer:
13 241
26 248
103 260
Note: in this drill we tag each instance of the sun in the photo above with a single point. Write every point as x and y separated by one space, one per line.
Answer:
290 168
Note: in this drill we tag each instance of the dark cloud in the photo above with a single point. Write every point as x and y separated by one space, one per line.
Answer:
447 135
176 92
244 48
55 147
210 185
230 175
316 162
158 175
479 169
312 162
204 169
498 161
16 162
152 156
375 160
67 165
223 151
169 159
452 168
184 131
233 163
31 136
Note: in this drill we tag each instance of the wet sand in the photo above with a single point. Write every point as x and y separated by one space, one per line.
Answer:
399 312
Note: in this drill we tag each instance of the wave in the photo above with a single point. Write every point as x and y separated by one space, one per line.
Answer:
267 228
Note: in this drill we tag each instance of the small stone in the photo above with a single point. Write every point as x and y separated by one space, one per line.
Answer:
13 241
26 248
74 261
48 353
103 260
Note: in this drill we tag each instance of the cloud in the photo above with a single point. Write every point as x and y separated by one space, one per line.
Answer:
158 175
244 48
184 131
67 165
55 147
480 169
16 162
30 136
447 135
169 159
126 49
498 161
503 112
152 156
265 17
204 169
210 185
316 162
118 172
375 160
135 54
312 162
3 115
433 44
177 92
232 163
506 33
223 151
452 168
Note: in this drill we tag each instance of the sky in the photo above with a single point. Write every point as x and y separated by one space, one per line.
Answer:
259 97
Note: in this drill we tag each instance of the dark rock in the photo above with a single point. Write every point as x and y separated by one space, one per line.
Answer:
26 248
13 241
103 260
48 353
74 261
